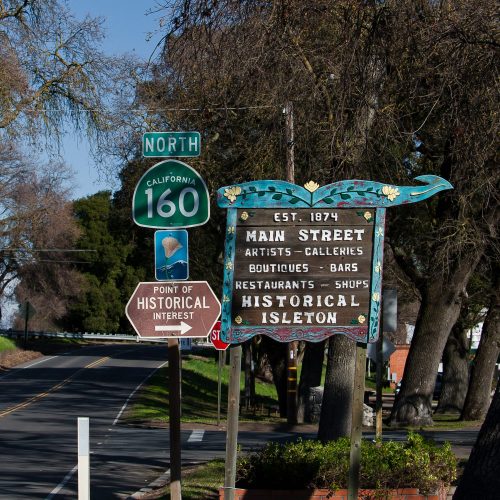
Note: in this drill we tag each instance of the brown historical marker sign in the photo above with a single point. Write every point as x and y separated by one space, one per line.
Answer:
173 309
302 267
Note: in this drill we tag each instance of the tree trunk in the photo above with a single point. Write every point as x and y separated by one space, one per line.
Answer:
483 369
438 313
455 371
277 355
481 478
312 369
335 420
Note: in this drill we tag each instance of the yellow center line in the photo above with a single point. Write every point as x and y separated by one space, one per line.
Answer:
52 389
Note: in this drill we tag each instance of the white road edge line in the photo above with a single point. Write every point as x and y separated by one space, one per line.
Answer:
62 484
115 421
196 436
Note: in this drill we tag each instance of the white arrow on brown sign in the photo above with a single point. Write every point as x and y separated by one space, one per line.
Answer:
183 328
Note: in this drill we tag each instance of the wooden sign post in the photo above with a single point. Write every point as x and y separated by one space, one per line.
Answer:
304 263
232 421
174 398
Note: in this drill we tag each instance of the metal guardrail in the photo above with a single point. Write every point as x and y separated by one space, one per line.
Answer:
70 335
89 336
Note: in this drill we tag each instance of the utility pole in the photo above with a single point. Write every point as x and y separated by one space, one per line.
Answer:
291 386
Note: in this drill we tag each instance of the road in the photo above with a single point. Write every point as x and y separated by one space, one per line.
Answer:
39 407
40 404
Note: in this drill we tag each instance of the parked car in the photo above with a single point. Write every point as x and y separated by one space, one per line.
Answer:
437 386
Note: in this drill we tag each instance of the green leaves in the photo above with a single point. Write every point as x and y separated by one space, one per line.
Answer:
385 465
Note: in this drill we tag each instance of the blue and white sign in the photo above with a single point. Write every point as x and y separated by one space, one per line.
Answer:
171 255
186 344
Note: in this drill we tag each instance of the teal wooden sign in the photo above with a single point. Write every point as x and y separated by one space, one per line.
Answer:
171 194
304 263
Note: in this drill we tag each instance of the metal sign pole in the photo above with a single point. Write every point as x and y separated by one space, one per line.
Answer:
26 319
357 421
233 407
219 387
175 418
378 386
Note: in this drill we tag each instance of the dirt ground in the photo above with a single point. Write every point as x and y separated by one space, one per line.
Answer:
35 349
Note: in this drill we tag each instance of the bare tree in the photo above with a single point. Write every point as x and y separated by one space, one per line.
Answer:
381 90
338 393
455 371
36 220
456 138
482 472
54 75
478 396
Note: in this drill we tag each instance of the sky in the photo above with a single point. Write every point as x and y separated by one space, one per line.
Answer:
126 27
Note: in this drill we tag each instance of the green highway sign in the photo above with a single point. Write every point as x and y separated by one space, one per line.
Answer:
167 144
171 194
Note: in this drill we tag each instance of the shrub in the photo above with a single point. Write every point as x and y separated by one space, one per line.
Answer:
415 463
6 344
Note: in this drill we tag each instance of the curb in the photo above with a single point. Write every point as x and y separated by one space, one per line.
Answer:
160 482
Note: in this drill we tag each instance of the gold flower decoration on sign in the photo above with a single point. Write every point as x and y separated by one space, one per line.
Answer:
238 320
375 296
361 319
311 186
367 216
244 216
391 192
232 192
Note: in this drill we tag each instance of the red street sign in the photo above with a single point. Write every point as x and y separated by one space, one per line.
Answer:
215 338
173 309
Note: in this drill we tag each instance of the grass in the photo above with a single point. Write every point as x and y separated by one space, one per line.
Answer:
199 395
7 344
54 344
371 384
202 483
199 398
450 422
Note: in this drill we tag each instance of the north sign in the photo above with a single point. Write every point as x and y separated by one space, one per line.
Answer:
171 194
173 309
167 144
